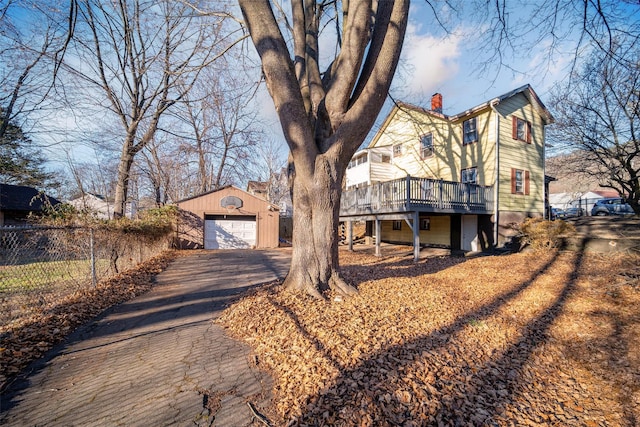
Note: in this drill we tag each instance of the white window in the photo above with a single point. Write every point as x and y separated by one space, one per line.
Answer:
470 133
426 146
397 150
358 161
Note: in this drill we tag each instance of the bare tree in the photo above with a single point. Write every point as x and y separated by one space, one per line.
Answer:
95 177
565 27
224 124
325 114
143 57
598 120
155 168
30 34
172 171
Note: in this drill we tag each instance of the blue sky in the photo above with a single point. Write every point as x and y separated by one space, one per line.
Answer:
460 65
453 61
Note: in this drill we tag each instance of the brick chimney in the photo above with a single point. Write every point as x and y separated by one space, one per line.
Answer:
436 103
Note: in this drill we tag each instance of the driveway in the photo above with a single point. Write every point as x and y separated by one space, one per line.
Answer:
607 227
159 359
607 234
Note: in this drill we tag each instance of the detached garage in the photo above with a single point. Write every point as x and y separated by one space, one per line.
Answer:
230 219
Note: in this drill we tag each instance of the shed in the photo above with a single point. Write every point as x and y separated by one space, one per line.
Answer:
230 218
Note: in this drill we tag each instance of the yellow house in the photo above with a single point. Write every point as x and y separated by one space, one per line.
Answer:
459 181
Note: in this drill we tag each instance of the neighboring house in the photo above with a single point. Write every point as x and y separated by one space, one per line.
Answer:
460 181
17 202
562 200
275 190
580 200
258 188
93 204
280 192
228 218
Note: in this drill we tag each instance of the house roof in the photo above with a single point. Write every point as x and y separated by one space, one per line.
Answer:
606 193
22 198
526 90
225 188
89 196
532 96
595 194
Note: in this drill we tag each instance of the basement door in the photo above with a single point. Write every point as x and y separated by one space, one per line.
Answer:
229 232
469 241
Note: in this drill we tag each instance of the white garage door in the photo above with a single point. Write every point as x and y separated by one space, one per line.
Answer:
229 233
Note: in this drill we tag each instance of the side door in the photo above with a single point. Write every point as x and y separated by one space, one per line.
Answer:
469 240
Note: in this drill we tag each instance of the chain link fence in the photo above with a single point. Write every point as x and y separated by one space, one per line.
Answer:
40 266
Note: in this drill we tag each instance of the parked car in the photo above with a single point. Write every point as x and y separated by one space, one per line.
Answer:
573 212
611 206
557 213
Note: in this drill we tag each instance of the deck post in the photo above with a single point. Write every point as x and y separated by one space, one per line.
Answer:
350 234
377 237
407 202
416 236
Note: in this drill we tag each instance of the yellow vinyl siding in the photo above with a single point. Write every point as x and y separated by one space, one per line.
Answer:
406 126
449 155
439 233
516 154
480 154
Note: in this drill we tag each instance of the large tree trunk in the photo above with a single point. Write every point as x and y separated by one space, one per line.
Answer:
316 206
325 116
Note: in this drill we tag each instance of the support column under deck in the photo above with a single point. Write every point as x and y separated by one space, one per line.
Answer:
377 237
416 236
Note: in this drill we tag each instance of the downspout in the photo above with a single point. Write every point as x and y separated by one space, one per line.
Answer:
496 185
546 209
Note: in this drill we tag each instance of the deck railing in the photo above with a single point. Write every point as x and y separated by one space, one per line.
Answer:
421 194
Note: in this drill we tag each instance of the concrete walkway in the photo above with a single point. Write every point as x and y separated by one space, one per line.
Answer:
157 360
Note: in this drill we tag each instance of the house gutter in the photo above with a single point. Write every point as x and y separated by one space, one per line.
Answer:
496 190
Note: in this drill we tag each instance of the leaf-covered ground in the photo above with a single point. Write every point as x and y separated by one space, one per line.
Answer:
522 339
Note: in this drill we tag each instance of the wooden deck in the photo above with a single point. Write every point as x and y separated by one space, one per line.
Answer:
417 195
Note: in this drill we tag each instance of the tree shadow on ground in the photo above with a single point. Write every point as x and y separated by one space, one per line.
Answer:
612 346
389 267
188 294
387 388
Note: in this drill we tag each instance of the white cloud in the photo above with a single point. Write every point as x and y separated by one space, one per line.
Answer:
268 115
428 62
